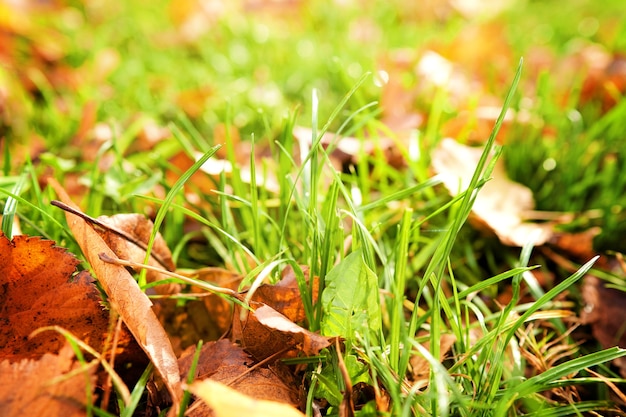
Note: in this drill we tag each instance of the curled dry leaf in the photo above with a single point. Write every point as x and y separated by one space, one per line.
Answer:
265 332
605 310
501 205
126 298
53 385
227 402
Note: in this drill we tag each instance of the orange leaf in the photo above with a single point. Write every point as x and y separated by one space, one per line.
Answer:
36 291
54 385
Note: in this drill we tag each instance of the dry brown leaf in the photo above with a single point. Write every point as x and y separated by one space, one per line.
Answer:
126 298
227 402
420 367
206 318
284 296
132 242
605 310
44 387
266 332
502 205
207 178
578 245
150 135
37 290
219 310
435 72
226 362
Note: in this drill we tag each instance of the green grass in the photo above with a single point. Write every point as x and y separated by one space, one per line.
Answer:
428 274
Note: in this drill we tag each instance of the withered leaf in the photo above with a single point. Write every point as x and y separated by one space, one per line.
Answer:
227 402
226 362
605 310
502 205
126 298
137 229
284 296
53 385
265 332
218 308
420 367
36 290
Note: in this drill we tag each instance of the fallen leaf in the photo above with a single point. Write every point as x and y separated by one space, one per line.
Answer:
479 49
219 310
420 367
53 385
226 362
37 289
285 296
501 205
604 311
206 318
265 332
128 235
227 402
126 298
215 167
578 245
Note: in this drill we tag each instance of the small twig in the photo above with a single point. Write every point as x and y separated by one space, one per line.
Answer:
107 227
212 288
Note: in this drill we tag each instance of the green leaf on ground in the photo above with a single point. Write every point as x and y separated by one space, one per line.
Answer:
350 299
